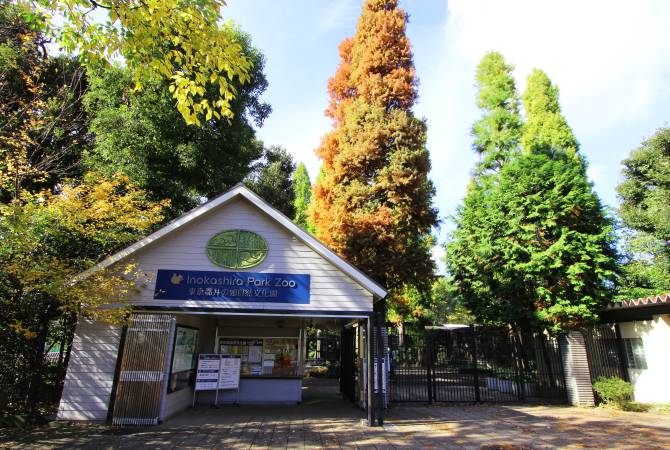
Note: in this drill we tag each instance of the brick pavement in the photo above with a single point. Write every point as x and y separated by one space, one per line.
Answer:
315 426
325 421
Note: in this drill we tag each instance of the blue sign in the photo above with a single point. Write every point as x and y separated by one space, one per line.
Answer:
232 286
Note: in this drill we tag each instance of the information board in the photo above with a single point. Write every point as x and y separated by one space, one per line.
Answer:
207 376
229 374
185 344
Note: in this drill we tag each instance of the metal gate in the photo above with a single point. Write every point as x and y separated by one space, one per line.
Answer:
348 364
141 382
475 365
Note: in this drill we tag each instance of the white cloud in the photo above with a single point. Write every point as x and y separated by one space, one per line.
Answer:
611 60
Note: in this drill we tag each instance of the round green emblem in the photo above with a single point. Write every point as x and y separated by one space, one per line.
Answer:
237 249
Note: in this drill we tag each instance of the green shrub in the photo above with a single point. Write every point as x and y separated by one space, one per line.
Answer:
613 391
636 407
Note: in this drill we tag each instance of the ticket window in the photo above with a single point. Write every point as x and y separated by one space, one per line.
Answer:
264 357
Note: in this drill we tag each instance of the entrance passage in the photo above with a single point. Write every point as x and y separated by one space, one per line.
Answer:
479 364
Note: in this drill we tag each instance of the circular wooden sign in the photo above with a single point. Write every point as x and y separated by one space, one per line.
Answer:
237 249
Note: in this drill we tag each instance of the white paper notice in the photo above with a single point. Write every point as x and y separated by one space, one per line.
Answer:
229 375
208 372
255 354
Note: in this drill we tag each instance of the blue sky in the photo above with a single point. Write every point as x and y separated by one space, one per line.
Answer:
611 60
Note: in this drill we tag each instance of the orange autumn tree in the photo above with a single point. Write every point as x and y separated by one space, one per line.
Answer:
373 200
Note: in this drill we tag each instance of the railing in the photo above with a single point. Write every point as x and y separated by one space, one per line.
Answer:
604 349
475 365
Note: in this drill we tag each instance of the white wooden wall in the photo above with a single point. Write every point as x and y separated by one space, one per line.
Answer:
331 289
90 372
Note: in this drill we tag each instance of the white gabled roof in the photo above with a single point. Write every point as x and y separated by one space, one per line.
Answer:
242 191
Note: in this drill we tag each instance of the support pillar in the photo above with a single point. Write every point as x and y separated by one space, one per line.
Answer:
576 369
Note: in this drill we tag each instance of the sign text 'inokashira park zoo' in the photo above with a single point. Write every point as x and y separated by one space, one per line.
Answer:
232 286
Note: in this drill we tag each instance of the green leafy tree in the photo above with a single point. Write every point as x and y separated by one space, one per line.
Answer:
177 41
447 304
373 202
43 127
270 178
46 239
141 135
302 189
645 210
497 133
533 246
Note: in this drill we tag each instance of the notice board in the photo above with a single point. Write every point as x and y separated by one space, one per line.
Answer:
229 374
207 376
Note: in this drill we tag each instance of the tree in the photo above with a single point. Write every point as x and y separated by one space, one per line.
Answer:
302 189
496 137
177 41
373 202
270 178
546 129
46 240
645 210
141 135
43 128
497 133
447 305
534 248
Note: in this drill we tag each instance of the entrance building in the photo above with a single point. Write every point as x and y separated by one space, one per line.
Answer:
232 277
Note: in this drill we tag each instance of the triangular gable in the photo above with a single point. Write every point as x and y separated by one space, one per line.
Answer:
242 191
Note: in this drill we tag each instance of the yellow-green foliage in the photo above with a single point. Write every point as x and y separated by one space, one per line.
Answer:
48 238
176 40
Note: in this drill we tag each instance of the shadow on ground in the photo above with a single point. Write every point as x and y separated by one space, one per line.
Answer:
324 420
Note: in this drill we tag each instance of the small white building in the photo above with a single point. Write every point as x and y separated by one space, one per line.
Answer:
232 277
644 330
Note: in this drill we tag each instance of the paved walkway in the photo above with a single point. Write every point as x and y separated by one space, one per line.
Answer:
327 422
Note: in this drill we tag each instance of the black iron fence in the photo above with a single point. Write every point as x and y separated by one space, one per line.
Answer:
475 365
605 353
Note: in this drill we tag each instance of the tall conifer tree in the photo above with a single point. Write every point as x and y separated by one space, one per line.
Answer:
497 133
302 188
546 129
534 247
373 201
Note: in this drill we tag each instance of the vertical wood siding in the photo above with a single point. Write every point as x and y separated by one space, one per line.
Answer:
331 289
90 372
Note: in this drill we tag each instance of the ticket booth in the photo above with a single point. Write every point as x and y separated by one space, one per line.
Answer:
232 277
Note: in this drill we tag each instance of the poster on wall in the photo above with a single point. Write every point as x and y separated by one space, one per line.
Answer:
185 345
229 374
207 376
